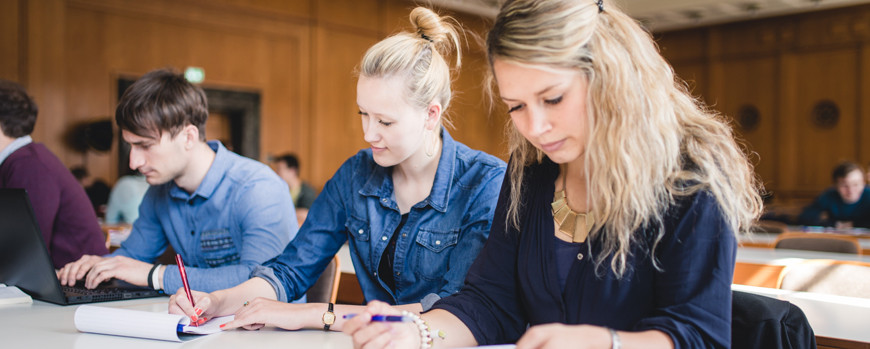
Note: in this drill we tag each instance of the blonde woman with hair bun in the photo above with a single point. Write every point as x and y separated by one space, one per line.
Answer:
415 207
616 224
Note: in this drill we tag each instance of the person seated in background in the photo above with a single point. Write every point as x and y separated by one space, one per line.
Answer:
844 206
287 167
97 190
65 217
616 226
223 213
124 200
415 208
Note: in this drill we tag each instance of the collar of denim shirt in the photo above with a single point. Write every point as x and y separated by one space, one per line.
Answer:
380 183
212 178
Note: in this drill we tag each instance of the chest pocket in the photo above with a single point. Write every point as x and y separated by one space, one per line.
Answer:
433 252
219 248
358 229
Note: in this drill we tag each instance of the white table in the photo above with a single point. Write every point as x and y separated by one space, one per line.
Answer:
784 257
769 239
837 317
45 325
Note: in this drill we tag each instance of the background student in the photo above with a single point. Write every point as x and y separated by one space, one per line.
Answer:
415 207
225 214
844 206
287 167
65 216
125 197
617 221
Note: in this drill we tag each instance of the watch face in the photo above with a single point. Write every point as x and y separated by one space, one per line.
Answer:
328 318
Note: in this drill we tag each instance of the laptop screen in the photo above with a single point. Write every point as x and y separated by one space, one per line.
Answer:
24 260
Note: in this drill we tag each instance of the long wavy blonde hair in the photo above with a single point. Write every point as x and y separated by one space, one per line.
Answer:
649 142
419 57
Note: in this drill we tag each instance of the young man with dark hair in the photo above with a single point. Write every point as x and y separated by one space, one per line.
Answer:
225 214
287 167
846 205
65 216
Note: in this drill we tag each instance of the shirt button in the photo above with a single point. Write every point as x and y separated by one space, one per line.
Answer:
437 242
579 256
360 231
384 200
376 273
404 235
192 233
384 238
398 273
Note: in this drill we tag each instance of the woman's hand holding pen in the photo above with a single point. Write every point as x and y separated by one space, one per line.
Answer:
376 334
205 305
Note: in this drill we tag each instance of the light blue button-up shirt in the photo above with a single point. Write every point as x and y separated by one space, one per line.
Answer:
438 243
236 219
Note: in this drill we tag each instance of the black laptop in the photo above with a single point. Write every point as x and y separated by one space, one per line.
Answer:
25 263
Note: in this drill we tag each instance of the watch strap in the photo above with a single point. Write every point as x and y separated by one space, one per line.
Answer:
328 311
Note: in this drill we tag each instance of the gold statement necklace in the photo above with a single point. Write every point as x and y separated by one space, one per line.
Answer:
567 219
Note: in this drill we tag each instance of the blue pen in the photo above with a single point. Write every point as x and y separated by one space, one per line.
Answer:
384 318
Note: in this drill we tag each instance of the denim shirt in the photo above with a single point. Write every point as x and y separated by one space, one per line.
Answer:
439 241
234 221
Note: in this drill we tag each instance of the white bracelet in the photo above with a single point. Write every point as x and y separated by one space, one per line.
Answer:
614 339
155 278
425 335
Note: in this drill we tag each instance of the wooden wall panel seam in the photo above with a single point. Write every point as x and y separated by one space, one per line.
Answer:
238 27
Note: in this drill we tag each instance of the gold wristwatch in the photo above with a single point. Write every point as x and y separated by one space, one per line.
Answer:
328 318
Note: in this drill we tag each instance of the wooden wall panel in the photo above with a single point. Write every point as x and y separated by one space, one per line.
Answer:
751 82
45 74
787 65
336 128
111 42
827 75
864 107
10 40
366 15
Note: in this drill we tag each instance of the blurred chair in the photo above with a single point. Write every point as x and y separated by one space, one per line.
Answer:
822 242
769 227
842 278
763 322
325 290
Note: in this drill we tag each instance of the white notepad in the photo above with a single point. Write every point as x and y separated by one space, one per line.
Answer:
141 324
13 295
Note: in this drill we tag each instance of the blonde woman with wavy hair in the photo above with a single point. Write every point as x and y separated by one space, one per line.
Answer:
616 226
415 208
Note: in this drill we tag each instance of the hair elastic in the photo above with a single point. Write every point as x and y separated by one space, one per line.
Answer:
600 6
426 37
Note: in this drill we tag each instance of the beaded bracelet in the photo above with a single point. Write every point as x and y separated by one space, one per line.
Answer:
425 335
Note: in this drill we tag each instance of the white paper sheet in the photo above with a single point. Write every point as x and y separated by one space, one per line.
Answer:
141 324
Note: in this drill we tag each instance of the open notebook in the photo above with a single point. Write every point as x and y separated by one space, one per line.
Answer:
142 324
25 263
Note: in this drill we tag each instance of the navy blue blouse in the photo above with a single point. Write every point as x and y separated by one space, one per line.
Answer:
514 283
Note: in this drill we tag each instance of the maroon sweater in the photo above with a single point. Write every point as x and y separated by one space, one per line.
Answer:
66 218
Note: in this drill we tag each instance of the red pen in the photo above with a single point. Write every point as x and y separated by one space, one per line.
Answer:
184 279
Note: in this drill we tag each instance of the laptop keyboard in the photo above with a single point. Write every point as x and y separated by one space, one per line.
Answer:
80 294
95 295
